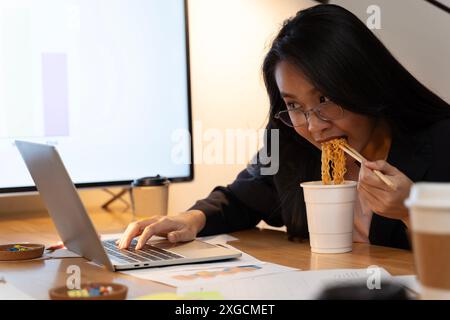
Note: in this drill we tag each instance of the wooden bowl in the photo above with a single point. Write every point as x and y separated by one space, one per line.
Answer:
118 292
33 251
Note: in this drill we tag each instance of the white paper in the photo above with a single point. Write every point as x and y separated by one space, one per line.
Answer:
410 282
294 285
263 225
220 273
60 254
10 292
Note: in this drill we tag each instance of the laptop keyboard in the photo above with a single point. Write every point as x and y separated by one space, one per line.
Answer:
147 253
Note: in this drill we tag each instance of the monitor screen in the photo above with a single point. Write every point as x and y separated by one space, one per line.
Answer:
105 81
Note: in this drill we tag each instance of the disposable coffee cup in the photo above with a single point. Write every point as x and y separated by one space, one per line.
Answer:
429 210
329 210
150 196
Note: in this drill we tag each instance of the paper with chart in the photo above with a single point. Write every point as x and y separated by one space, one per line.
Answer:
179 274
213 274
209 272
294 285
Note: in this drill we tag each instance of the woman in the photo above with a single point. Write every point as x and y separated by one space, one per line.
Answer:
328 76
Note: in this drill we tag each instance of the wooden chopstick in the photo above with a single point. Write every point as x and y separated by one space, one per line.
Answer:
358 157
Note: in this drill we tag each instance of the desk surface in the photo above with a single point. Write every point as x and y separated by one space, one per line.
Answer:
37 277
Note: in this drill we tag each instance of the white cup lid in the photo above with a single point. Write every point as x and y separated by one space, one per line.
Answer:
430 195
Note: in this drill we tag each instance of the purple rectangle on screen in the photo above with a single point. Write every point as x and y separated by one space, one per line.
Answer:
55 94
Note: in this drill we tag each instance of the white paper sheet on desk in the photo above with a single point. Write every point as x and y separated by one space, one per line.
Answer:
294 285
151 273
61 254
10 292
410 282
220 273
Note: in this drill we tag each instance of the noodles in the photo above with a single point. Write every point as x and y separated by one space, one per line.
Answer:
332 153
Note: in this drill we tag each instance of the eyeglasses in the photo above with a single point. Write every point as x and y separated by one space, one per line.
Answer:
326 111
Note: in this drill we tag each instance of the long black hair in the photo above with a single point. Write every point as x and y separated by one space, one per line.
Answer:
347 63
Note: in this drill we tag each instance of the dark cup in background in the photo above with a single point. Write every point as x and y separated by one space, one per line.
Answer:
150 196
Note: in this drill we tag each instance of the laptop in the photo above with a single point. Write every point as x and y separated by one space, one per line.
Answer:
78 233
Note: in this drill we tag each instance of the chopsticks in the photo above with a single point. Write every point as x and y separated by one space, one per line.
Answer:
358 157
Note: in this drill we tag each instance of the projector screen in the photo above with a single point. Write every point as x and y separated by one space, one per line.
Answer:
105 81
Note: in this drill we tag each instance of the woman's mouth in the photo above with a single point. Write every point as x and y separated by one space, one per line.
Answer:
331 138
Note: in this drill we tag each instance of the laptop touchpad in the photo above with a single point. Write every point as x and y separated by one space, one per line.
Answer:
181 246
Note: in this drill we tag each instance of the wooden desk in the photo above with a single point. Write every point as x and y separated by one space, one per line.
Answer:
37 277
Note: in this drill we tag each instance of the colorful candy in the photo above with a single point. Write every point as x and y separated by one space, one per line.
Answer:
90 292
18 247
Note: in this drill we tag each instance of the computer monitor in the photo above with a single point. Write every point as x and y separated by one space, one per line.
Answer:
106 81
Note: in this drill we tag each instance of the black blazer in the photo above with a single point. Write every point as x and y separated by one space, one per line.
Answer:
278 199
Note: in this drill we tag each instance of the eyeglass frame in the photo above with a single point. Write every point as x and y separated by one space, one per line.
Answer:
315 110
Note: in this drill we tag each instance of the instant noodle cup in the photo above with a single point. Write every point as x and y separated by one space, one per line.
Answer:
329 210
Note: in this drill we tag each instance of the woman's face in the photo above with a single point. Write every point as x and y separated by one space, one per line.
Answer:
298 92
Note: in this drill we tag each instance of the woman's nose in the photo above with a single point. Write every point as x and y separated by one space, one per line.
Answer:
315 124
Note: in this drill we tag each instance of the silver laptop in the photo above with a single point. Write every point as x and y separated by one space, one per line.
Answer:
78 233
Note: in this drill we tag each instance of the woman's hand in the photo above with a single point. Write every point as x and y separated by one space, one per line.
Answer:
380 197
182 227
